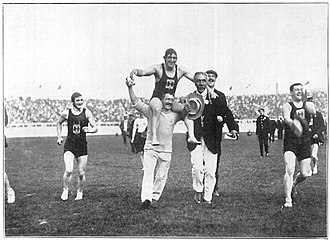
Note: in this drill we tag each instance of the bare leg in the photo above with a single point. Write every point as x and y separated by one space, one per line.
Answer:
290 163
156 107
9 190
68 161
315 148
177 107
82 163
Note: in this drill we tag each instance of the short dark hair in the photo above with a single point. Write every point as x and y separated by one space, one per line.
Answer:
293 85
163 95
212 72
169 52
74 96
200 73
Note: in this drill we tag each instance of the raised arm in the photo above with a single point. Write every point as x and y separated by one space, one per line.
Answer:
185 73
130 82
143 72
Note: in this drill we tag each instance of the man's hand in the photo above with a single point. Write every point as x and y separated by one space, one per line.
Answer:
85 129
315 136
132 73
234 133
220 119
130 82
59 140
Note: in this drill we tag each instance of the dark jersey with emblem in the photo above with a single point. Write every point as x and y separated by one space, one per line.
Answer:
166 84
305 119
76 124
76 140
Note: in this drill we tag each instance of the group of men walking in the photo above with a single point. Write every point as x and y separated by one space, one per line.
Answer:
204 126
204 115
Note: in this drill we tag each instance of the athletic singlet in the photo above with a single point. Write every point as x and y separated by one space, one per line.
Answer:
166 84
76 124
303 114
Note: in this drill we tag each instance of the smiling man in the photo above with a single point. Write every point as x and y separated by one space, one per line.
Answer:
167 76
80 121
156 158
296 147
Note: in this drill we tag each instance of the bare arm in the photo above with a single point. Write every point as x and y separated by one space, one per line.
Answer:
185 73
311 108
93 128
132 96
61 120
144 72
286 114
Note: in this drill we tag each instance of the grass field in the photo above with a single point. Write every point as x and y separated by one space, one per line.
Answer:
249 205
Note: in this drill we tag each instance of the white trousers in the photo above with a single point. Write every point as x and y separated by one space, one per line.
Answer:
204 164
156 166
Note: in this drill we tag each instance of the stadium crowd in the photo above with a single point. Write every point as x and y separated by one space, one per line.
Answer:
28 110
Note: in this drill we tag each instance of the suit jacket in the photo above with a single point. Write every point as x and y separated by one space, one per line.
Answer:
318 126
263 126
208 127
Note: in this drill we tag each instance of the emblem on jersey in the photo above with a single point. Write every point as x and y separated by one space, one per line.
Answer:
76 129
300 113
169 84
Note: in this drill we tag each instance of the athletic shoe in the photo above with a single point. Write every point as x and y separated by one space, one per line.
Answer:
10 195
314 171
267 154
207 202
145 204
79 196
216 193
287 205
65 194
198 197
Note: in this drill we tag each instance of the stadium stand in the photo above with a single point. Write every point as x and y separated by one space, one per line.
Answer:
28 110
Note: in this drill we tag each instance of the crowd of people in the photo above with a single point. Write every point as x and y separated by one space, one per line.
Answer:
204 112
27 110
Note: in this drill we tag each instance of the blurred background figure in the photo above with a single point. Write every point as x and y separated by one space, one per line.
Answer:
131 120
124 129
280 128
262 131
317 129
10 192
139 134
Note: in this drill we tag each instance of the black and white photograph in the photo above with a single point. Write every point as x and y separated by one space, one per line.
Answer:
165 119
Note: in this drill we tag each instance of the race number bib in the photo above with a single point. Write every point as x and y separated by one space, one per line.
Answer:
76 129
169 84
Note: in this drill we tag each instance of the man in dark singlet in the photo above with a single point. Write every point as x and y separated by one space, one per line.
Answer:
167 76
80 121
295 146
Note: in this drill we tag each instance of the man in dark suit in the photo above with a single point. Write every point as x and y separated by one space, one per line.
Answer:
211 79
262 131
206 128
